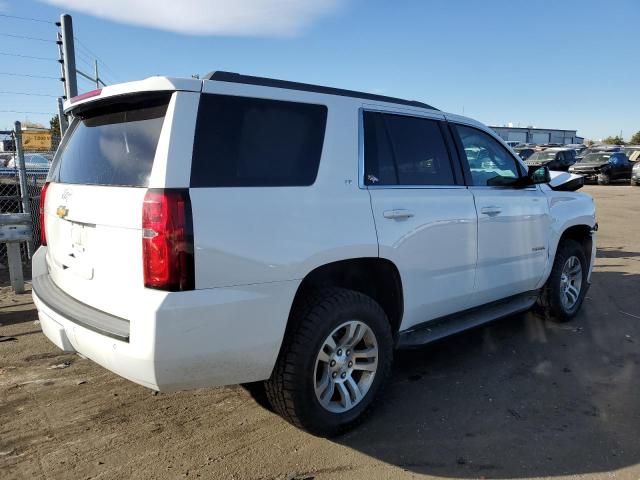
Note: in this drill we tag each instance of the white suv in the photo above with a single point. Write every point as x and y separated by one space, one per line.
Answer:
240 229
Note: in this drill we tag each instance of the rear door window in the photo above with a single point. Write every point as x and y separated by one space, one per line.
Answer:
253 142
404 150
112 143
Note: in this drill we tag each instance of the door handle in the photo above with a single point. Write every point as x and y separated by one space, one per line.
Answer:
491 211
397 213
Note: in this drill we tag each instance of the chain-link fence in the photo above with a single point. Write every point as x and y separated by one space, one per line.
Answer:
37 161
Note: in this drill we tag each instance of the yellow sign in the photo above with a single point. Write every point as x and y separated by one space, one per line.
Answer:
36 140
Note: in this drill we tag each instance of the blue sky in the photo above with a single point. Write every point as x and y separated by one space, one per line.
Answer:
556 64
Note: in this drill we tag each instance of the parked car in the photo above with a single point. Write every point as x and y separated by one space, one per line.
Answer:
32 161
4 159
513 143
604 167
630 152
243 229
597 149
559 159
524 152
577 147
635 174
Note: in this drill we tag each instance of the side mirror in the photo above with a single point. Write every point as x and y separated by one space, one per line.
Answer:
538 174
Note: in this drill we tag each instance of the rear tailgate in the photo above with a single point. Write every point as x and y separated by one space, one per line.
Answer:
93 209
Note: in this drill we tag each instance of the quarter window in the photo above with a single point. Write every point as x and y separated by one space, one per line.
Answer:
402 150
489 162
252 142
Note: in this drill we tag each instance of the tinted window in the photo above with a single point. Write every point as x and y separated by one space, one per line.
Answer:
489 162
112 144
251 142
403 150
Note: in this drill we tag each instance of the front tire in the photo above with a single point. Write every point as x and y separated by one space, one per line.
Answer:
604 179
333 362
564 292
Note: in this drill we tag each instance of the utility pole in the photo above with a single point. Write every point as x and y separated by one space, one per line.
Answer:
68 71
62 118
69 57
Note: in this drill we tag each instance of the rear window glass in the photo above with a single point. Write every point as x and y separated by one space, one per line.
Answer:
112 144
251 142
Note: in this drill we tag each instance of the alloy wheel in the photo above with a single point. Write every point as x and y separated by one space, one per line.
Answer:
571 282
346 366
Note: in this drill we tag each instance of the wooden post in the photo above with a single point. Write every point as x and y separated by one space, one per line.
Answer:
15 266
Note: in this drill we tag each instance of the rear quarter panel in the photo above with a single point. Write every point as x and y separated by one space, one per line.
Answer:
247 235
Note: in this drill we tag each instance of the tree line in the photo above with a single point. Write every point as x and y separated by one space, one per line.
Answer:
618 140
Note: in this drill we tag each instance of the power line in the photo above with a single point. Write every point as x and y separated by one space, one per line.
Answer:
82 45
28 93
24 37
22 111
27 56
26 18
28 75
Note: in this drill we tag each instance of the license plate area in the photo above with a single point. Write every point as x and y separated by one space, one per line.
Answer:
76 256
79 239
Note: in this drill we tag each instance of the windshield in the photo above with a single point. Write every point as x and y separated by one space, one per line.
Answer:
597 158
542 157
113 144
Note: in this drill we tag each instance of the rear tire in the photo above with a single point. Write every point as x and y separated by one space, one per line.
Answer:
567 285
604 179
333 363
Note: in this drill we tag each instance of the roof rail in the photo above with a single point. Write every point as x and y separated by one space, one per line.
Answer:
306 87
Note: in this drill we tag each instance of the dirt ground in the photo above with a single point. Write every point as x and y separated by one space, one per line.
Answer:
519 398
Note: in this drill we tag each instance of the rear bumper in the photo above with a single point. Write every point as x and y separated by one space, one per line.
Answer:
195 339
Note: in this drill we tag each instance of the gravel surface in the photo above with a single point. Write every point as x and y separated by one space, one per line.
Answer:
519 398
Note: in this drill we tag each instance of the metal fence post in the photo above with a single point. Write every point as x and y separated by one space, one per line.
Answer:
22 176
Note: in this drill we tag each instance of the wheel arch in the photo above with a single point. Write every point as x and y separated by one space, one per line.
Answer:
581 232
375 277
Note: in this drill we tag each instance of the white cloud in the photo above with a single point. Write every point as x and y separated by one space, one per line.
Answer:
209 17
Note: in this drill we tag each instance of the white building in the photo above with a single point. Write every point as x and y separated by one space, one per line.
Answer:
538 135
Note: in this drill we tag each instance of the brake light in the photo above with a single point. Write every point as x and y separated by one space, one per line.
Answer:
84 96
167 240
43 233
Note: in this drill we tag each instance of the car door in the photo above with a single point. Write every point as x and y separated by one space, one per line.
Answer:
513 222
620 166
424 215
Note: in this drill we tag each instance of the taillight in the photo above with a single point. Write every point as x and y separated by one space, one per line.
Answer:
43 233
167 240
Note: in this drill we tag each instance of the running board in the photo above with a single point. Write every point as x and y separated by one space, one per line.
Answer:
451 324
